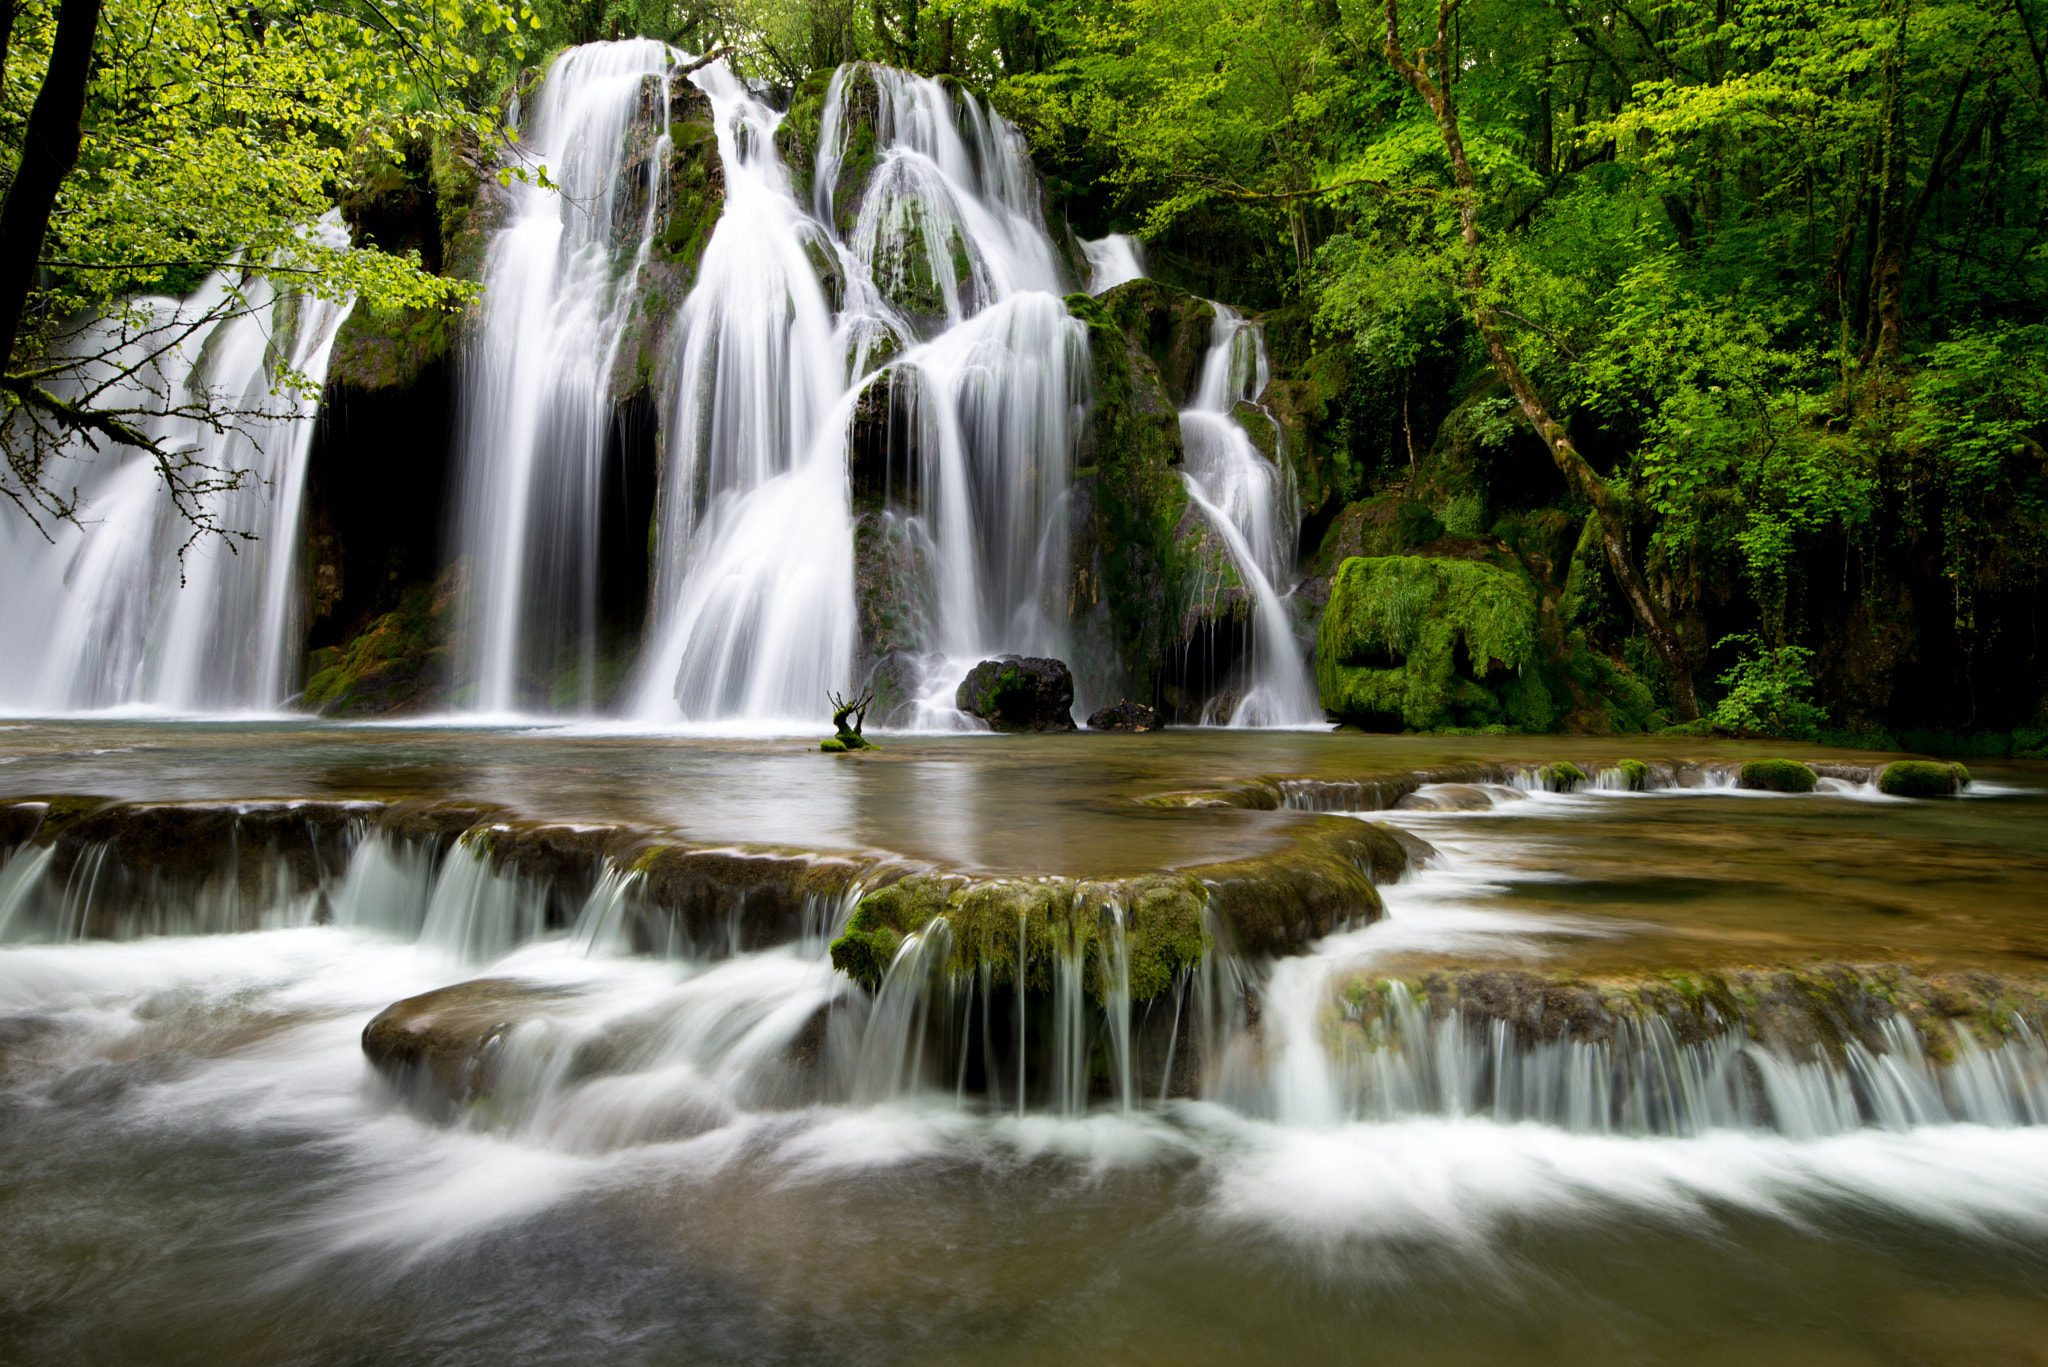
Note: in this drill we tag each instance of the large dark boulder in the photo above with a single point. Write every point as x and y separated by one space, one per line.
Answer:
1019 693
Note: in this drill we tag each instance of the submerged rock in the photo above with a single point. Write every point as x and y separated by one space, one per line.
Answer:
1019 693
440 1044
1124 716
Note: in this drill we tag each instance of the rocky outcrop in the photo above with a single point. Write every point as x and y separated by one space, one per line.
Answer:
1019 693
1124 715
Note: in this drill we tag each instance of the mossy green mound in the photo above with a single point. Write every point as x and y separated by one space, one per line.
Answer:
1635 773
1776 776
1423 643
1921 778
1025 928
1562 777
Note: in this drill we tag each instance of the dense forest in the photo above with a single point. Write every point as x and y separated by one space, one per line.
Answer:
1723 322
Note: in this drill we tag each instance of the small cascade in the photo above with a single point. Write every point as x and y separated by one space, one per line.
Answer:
124 613
1249 501
911 337
1401 1058
560 286
1113 260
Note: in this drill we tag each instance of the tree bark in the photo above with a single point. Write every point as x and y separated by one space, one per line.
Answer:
1582 477
1888 265
49 149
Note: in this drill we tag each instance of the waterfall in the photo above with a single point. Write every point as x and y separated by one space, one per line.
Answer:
932 294
118 616
1112 260
560 286
1249 501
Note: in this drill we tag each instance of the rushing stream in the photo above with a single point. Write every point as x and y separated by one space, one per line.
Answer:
703 1152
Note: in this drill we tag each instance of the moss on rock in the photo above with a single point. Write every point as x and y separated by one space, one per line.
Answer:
1425 643
398 664
1021 929
1922 778
1776 776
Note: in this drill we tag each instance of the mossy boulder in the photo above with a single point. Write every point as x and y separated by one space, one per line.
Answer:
1426 643
1922 778
390 348
1019 693
1776 776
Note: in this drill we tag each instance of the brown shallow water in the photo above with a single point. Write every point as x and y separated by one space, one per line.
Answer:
1053 804
1682 879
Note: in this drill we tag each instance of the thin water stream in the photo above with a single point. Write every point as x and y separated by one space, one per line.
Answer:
196 1163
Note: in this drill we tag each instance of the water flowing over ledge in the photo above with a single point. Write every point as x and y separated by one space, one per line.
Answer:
1255 984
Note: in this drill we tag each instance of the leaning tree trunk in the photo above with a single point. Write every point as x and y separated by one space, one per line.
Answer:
1582 477
49 149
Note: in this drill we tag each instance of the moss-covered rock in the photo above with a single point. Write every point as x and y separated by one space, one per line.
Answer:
1014 929
1776 776
1422 643
399 664
1131 574
1922 778
389 348
1019 693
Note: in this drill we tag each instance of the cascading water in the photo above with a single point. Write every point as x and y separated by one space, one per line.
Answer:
560 286
1249 503
948 312
119 617
1113 260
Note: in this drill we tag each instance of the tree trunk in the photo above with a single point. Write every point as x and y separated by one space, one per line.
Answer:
49 149
1582 477
1888 264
